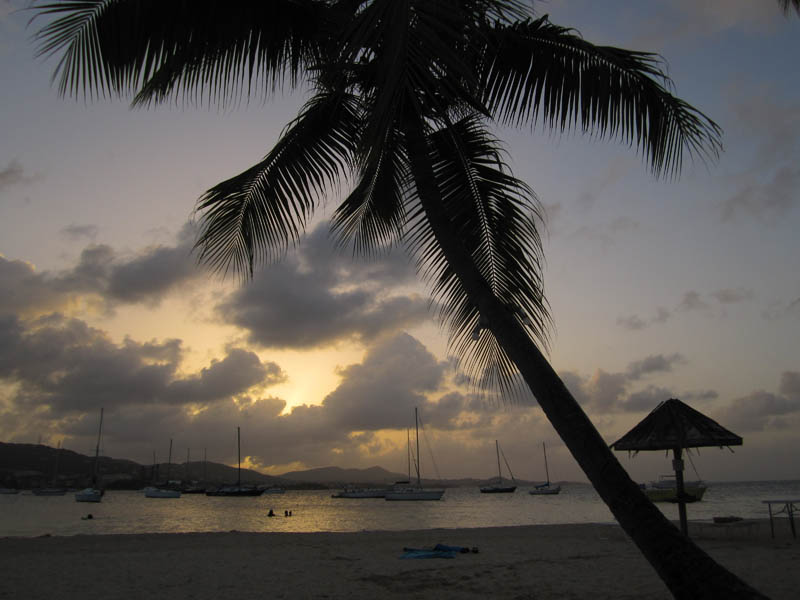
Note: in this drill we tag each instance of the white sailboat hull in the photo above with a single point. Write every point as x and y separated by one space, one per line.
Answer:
154 492
547 490
89 495
361 493
414 494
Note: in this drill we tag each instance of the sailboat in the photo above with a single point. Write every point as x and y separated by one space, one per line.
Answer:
416 492
238 489
545 489
499 488
53 490
164 491
93 493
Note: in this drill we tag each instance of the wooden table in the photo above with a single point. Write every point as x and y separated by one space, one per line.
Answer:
788 508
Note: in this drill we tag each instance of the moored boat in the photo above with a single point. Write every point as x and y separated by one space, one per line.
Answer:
666 490
93 493
360 492
416 492
499 488
545 489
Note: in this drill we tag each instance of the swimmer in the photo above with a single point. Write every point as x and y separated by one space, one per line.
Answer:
270 513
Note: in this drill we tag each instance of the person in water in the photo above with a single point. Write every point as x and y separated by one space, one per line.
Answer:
270 513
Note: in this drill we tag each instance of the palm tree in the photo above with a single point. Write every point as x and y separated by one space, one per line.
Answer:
405 96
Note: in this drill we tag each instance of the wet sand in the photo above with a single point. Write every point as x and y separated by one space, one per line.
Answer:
541 562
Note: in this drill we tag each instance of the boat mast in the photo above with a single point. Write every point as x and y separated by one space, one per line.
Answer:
169 459
547 472
497 449
97 449
239 454
408 452
416 425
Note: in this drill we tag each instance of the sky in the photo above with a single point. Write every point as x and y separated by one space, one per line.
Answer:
682 288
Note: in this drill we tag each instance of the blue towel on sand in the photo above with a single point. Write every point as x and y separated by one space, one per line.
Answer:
438 551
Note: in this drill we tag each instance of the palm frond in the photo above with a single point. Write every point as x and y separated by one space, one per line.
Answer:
787 5
373 215
495 217
217 50
536 70
253 217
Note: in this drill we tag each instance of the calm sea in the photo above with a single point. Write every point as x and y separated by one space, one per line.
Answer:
130 512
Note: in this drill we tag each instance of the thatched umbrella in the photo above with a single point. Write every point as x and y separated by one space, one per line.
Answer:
672 425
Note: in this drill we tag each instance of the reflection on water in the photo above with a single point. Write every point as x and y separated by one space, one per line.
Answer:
130 512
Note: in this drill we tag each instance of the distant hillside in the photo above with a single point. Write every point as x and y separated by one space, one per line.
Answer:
337 475
33 465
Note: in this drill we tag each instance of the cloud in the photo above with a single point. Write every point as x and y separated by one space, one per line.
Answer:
779 310
13 174
692 301
317 297
382 391
100 277
63 366
733 296
765 411
606 393
632 322
767 200
78 232
656 363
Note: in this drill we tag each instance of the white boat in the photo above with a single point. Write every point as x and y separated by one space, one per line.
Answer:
416 492
499 488
360 492
93 493
163 491
90 494
545 489
160 492
666 490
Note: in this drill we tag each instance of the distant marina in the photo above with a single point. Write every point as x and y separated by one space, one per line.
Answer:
124 512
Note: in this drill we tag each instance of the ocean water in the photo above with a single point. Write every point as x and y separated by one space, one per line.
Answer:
130 512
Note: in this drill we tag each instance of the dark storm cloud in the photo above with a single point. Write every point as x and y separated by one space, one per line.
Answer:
382 391
63 366
319 296
100 276
237 372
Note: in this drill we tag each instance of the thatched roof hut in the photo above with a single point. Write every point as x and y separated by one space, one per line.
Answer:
673 424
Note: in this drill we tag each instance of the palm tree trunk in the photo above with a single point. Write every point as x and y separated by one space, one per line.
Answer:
686 569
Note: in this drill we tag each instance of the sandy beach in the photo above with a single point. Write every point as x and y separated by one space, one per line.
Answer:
541 562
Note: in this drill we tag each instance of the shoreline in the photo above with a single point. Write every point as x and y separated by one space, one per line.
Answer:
528 561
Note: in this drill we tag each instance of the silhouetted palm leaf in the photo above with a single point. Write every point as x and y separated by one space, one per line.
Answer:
537 70
253 217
